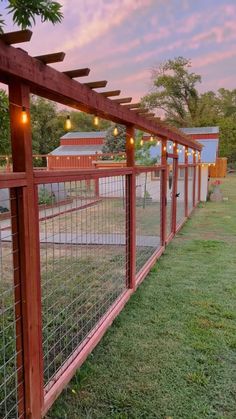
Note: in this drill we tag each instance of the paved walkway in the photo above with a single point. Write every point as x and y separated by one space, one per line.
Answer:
87 239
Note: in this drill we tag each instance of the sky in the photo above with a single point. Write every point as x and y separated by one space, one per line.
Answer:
123 40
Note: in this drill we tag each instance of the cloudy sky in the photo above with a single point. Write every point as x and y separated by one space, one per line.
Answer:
121 40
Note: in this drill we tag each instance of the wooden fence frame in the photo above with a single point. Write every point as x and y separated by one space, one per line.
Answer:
25 75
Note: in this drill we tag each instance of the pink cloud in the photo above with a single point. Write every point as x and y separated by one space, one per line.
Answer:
97 19
213 58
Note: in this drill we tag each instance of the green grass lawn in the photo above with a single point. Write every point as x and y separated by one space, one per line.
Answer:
172 351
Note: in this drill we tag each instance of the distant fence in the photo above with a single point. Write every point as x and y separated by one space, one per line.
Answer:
219 169
98 234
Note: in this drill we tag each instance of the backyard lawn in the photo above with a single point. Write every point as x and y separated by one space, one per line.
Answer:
172 351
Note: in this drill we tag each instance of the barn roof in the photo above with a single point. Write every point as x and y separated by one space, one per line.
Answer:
80 135
69 150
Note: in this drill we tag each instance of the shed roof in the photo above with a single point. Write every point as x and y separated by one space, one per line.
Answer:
208 154
69 150
79 134
200 130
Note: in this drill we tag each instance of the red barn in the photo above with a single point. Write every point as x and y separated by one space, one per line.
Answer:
76 150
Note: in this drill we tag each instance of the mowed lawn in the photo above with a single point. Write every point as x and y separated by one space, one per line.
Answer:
172 351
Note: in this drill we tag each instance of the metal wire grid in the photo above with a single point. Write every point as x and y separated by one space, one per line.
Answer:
180 213
83 262
197 184
190 189
11 369
147 216
170 183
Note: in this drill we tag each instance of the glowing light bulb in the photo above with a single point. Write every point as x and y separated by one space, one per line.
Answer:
131 140
151 138
158 142
115 132
68 123
141 142
164 148
174 144
96 121
24 116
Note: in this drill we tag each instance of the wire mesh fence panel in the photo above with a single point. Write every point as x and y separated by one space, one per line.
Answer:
197 184
180 213
83 262
169 197
147 216
11 369
190 189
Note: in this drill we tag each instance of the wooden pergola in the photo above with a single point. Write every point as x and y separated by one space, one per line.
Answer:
27 75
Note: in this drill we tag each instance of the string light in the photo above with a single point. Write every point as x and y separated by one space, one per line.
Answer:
141 142
96 121
24 116
68 123
131 141
115 132
174 144
164 148
151 138
158 142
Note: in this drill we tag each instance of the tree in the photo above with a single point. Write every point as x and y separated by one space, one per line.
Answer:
115 144
5 147
47 125
84 122
24 12
174 92
142 151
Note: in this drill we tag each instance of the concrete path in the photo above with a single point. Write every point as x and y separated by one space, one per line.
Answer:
87 239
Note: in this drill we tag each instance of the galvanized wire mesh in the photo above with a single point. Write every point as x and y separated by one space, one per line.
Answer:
83 262
197 184
169 197
147 216
11 369
180 213
190 189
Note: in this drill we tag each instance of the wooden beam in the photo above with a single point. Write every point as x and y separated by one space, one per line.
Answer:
96 84
141 111
111 93
150 114
80 72
56 57
123 100
16 37
132 106
51 84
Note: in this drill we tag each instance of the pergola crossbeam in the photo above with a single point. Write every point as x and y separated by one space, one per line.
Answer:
132 106
55 57
111 93
96 84
123 100
80 72
16 37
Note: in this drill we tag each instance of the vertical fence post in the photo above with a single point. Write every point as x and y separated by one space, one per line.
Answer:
174 189
163 191
199 178
186 181
130 209
26 229
194 179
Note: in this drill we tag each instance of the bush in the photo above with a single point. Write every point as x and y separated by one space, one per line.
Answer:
45 197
